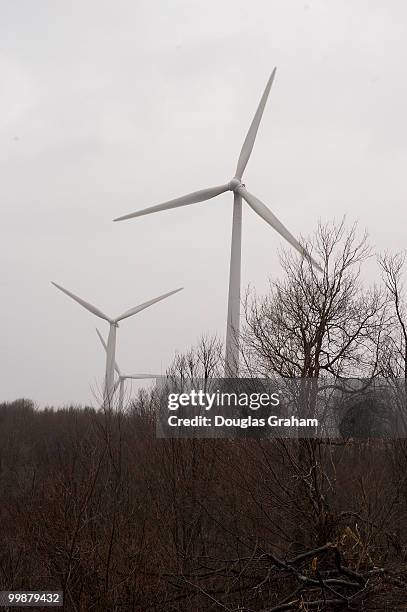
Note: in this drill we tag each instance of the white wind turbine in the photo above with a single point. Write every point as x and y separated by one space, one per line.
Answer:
239 191
111 342
123 377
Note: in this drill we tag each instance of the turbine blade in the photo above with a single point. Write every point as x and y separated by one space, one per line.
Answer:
101 339
248 144
266 214
136 309
191 198
140 376
116 367
86 305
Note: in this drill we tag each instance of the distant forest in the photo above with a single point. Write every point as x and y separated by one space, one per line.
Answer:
91 502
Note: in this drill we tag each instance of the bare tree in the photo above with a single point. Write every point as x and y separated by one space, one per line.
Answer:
394 353
203 361
311 323
314 326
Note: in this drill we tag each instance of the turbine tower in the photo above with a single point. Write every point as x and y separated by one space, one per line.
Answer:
111 342
239 192
123 377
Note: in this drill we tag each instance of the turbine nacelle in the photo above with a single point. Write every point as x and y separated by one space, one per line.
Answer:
235 183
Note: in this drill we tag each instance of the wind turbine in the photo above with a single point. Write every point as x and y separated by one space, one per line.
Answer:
123 377
111 342
239 192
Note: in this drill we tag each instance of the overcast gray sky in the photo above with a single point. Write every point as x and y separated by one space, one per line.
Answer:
107 107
